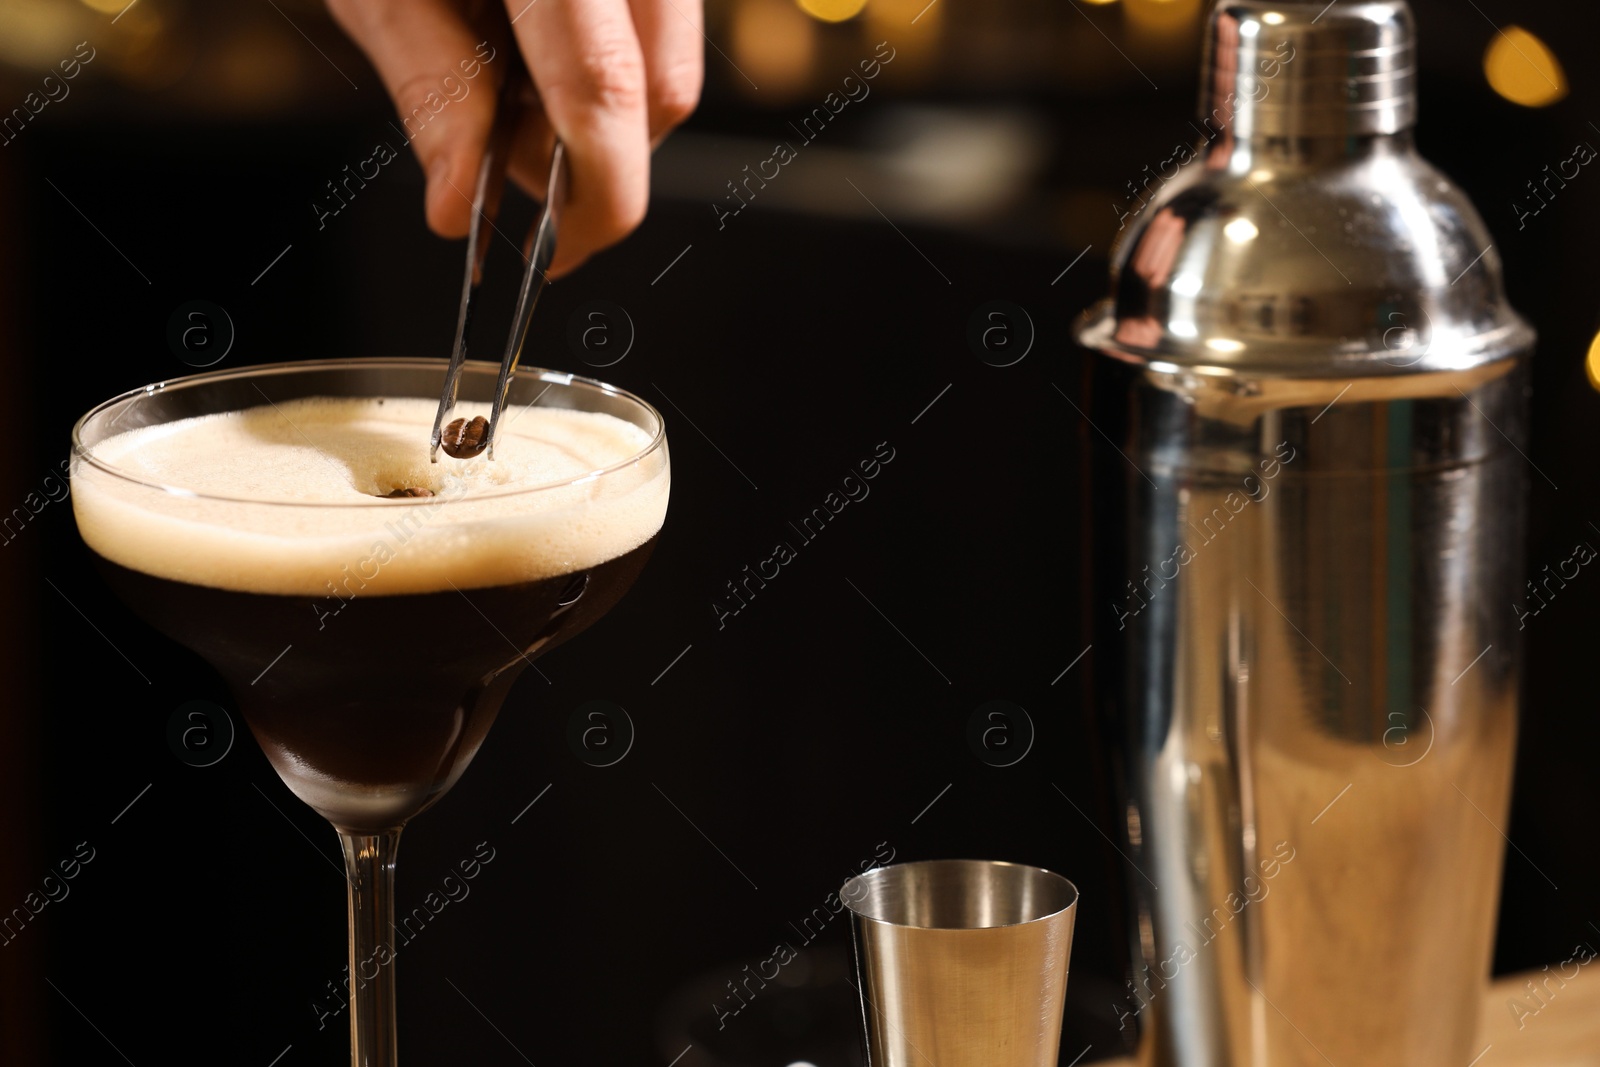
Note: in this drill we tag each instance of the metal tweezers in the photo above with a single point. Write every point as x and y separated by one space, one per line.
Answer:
538 250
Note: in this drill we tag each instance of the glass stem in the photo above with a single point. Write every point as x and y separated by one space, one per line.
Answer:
369 868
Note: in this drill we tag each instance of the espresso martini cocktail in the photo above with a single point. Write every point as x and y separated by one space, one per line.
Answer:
369 608
368 638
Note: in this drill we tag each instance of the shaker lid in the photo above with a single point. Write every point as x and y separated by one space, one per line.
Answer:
1310 69
1304 236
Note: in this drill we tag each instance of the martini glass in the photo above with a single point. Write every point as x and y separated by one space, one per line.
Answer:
369 645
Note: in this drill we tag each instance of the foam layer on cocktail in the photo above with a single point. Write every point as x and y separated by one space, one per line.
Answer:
288 498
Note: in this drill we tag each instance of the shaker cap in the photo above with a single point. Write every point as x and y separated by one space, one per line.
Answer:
1304 237
1310 69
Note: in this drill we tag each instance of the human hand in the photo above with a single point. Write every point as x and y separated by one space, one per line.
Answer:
612 78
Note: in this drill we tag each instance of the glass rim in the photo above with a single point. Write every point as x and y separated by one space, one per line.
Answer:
554 377
878 874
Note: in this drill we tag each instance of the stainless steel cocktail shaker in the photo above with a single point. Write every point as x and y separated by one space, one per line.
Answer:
1306 640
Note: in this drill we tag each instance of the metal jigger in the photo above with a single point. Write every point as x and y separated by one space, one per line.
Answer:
961 963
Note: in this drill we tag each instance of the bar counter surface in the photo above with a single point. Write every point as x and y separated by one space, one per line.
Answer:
1516 1031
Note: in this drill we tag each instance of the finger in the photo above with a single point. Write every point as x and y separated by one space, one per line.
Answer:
442 78
586 62
531 145
674 60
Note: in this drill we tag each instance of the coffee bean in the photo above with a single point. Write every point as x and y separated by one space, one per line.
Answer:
463 439
412 490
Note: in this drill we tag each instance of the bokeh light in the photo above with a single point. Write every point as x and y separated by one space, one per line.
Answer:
1163 14
1162 31
914 29
1521 68
905 16
832 10
1593 362
38 32
774 46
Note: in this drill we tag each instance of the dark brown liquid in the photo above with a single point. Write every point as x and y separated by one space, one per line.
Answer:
379 702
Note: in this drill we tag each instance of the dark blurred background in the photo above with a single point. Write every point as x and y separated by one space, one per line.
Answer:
824 725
